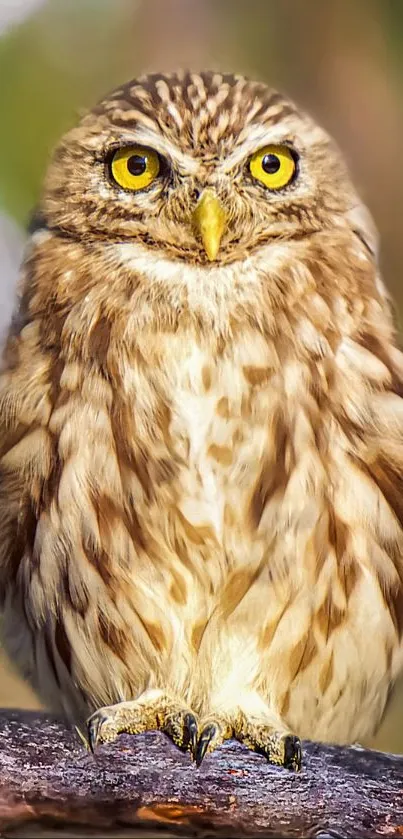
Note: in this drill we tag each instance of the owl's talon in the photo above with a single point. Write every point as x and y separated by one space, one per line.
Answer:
94 726
214 730
292 753
191 729
181 727
208 734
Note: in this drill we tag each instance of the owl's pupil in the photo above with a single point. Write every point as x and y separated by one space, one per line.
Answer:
137 164
271 164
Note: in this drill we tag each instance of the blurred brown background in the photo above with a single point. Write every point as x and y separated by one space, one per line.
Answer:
341 59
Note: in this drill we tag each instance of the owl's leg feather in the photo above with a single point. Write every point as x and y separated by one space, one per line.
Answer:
154 710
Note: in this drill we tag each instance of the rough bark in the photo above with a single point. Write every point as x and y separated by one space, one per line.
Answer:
143 786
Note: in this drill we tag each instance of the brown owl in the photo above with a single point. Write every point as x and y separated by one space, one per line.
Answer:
202 430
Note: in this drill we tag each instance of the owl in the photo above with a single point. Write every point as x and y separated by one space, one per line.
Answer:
201 432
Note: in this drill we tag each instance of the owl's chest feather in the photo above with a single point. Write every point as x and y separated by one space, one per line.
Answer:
218 429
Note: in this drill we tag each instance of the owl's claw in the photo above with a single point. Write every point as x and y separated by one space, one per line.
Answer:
155 710
152 711
181 727
191 728
94 726
207 736
292 753
279 748
214 731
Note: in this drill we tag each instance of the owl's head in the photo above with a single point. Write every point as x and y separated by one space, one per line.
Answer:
204 167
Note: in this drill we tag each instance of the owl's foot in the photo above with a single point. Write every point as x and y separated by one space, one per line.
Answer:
153 710
278 747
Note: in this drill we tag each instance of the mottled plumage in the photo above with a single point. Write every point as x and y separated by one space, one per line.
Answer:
202 458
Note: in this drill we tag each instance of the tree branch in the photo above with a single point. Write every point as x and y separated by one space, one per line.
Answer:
139 784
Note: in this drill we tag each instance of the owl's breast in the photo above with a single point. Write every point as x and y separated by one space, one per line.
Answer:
219 432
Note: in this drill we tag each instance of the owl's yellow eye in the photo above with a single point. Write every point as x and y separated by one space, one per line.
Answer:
273 166
135 167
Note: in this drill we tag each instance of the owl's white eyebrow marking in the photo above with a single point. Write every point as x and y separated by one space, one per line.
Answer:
147 137
256 136
141 259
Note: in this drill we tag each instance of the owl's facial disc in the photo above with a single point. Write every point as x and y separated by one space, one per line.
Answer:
202 168
135 167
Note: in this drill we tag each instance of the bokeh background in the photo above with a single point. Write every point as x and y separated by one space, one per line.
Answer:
341 59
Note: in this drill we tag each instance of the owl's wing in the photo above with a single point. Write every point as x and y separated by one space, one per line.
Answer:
370 410
364 227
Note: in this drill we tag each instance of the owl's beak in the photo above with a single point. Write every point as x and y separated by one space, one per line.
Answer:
209 221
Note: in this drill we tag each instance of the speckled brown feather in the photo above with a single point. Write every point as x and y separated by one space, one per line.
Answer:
201 463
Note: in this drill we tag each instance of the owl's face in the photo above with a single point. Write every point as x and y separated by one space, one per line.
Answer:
203 167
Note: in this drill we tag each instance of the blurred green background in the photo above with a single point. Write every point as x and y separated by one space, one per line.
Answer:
341 59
